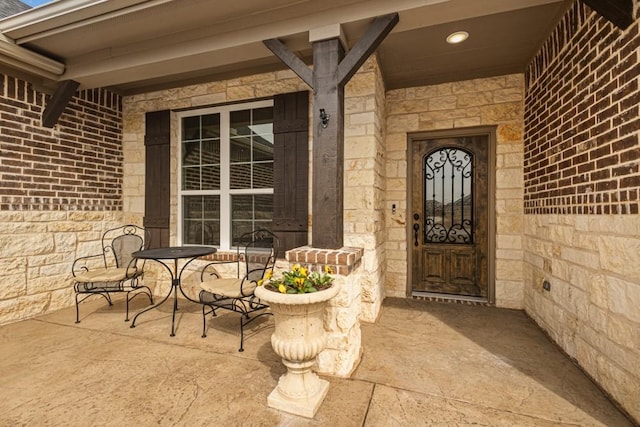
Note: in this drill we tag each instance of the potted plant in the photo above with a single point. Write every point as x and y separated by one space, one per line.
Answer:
297 300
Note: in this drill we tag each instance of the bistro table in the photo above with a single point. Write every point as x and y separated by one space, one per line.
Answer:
164 257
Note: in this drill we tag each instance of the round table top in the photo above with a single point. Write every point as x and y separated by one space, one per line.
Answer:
174 252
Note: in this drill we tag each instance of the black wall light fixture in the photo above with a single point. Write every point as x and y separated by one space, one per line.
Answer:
324 118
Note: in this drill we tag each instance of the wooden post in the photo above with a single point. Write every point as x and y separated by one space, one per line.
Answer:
328 146
332 69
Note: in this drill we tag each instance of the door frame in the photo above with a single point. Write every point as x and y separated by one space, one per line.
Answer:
490 132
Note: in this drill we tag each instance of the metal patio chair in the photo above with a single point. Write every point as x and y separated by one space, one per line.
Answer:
114 270
256 255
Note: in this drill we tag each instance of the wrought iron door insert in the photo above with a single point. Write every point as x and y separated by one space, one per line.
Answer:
448 204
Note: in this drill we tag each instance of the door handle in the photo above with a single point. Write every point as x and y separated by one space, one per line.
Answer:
416 227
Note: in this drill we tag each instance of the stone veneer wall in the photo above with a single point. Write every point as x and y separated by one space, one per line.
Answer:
363 223
582 230
364 190
492 101
60 189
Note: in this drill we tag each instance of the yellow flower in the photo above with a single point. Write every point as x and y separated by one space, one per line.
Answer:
296 267
299 281
328 269
260 282
282 289
303 272
268 275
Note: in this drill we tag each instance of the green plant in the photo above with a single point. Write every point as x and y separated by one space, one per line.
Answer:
299 280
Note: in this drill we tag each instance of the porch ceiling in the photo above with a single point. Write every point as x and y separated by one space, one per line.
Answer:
133 46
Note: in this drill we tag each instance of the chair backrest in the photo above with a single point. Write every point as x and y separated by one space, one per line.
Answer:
260 250
124 246
121 242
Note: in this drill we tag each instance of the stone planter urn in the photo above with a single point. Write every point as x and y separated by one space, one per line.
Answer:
298 338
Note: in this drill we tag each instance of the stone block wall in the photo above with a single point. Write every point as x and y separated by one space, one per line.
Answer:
482 102
582 229
592 263
364 186
60 189
364 166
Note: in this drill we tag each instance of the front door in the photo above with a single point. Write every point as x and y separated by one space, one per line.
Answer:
449 216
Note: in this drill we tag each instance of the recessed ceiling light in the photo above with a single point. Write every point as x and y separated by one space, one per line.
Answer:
457 37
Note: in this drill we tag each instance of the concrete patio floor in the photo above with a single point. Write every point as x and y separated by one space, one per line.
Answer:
424 363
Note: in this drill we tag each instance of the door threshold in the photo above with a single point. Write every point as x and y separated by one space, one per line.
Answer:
459 299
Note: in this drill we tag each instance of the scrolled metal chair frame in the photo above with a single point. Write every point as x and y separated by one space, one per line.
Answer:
243 301
110 258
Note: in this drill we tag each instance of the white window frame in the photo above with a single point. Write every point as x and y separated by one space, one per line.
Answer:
225 192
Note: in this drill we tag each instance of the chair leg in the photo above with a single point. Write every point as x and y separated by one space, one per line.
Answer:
241 349
104 295
77 310
126 317
204 321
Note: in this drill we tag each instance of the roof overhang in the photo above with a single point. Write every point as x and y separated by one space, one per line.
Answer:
134 46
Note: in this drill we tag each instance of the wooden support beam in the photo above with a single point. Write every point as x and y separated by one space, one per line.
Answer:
619 12
331 71
366 45
291 60
328 146
58 102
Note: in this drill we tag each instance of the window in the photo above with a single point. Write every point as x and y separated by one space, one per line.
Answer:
226 173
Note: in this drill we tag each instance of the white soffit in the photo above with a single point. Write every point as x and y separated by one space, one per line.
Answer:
112 42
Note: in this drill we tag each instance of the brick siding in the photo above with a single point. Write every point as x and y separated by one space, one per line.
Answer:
77 165
582 152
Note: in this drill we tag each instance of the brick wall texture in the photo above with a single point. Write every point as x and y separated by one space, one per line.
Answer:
77 165
581 229
582 150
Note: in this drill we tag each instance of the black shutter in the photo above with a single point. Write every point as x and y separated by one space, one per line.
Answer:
157 176
291 169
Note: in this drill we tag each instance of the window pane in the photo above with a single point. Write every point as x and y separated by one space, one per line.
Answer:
210 178
211 152
211 126
191 128
211 207
262 148
239 122
191 178
263 206
192 207
201 232
263 175
201 220
240 176
211 233
263 120
239 228
190 235
191 153
242 207
251 212
240 150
